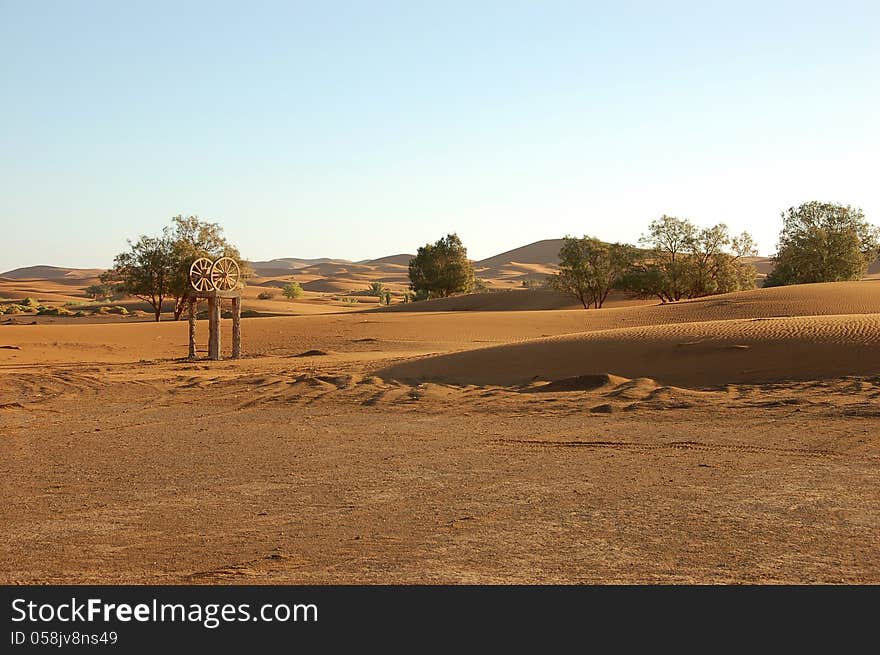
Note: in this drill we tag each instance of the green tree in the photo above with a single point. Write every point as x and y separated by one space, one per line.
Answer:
710 268
377 289
144 271
441 269
684 261
823 242
292 290
669 240
590 268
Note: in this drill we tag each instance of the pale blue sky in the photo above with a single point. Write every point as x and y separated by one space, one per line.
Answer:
362 129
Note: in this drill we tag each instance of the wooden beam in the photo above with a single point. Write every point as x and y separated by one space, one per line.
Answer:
192 328
236 327
214 328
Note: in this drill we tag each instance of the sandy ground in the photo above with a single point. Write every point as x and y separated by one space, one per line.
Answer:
731 439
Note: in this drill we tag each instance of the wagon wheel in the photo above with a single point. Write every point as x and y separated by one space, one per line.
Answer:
225 274
200 275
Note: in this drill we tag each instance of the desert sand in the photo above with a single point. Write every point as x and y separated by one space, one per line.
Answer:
482 439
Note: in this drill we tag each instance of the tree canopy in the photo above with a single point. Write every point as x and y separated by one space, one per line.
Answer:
441 269
144 271
685 261
823 242
590 268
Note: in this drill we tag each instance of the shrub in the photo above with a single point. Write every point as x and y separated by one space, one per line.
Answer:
265 295
53 311
14 309
32 303
292 290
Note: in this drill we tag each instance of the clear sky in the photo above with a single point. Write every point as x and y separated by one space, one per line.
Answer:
362 129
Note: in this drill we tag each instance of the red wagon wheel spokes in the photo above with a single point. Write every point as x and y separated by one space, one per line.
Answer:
200 275
225 274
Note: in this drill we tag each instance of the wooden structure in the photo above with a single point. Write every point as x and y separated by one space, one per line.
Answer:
215 281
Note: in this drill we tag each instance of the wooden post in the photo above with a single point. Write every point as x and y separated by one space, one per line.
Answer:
236 327
210 327
192 327
214 327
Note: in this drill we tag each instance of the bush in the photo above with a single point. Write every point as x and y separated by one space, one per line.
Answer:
265 295
14 309
292 290
32 303
53 311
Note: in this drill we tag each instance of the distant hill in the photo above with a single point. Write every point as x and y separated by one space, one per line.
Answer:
397 260
287 265
55 273
539 252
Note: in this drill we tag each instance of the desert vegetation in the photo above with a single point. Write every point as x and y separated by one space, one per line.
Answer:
677 260
820 242
292 290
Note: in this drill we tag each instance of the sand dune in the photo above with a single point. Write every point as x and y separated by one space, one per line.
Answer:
55 273
696 355
802 332
539 252
509 300
397 260
512 300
